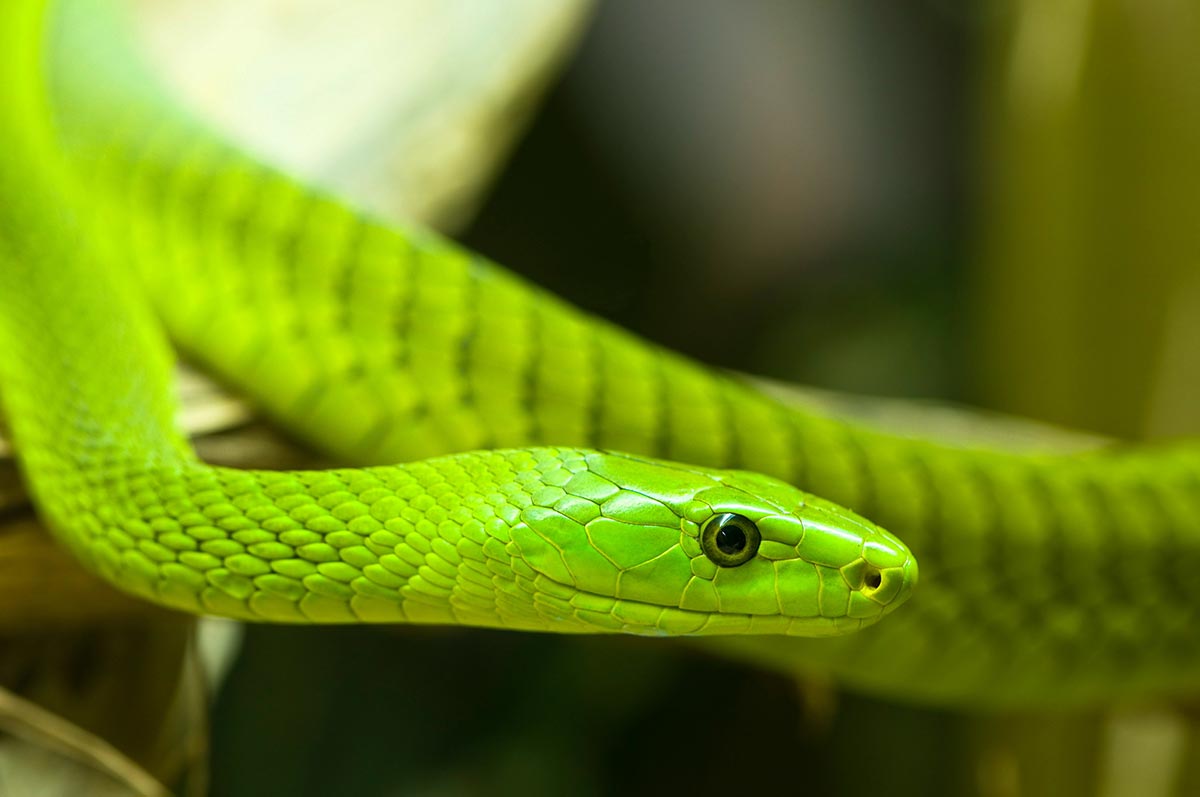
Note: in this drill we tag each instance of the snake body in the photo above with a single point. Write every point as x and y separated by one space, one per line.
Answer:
548 538
1047 576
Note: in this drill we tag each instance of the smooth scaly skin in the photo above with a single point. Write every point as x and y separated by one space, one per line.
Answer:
554 539
1046 577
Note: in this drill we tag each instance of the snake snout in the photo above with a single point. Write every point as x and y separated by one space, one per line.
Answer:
891 586
891 573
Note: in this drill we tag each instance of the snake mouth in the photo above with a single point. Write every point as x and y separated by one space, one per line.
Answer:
602 614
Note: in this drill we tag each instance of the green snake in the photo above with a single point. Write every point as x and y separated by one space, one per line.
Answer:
549 538
1047 575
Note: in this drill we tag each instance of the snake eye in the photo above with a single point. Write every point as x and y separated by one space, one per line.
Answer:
730 540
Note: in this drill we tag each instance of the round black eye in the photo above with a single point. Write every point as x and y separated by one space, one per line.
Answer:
730 540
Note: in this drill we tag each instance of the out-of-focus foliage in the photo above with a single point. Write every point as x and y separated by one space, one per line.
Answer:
406 106
1089 277
116 709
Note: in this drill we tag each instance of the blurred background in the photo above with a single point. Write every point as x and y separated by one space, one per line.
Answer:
980 202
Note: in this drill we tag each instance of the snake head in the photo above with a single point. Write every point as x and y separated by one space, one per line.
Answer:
645 546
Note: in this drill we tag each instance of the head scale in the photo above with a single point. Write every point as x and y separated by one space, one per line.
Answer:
644 546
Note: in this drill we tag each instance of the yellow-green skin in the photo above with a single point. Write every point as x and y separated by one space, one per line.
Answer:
1047 578
551 538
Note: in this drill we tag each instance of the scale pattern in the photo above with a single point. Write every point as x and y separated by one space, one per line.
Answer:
1046 577
481 539
562 539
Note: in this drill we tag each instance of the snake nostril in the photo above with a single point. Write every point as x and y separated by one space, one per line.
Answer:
873 578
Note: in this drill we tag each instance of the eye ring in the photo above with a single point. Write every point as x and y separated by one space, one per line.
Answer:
730 540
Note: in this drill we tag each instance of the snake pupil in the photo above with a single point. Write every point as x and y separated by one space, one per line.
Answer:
731 539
